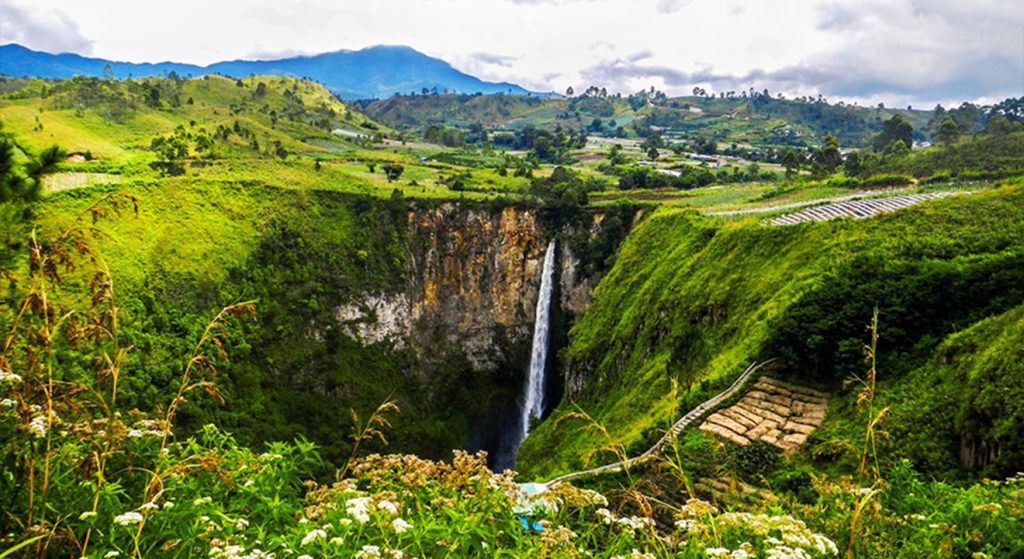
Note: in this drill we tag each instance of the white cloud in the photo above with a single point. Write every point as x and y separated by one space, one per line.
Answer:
897 51
41 29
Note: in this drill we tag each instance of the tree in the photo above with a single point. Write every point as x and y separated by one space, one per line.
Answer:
791 162
23 182
542 148
261 90
948 132
827 158
652 153
895 129
108 72
853 165
392 171
569 92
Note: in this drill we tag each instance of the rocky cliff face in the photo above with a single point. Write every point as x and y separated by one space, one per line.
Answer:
466 308
472 281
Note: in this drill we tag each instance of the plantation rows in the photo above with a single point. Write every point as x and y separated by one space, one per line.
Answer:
856 209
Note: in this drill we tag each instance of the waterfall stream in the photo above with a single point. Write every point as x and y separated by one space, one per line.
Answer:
533 403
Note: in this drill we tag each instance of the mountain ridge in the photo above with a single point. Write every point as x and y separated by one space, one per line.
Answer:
375 72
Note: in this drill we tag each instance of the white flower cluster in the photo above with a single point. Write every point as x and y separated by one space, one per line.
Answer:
239 552
626 523
313 536
128 518
38 425
8 403
358 508
388 507
368 552
400 526
9 377
794 533
146 428
636 554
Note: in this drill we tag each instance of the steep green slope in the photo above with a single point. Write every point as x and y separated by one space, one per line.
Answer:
195 246
963 408
694 300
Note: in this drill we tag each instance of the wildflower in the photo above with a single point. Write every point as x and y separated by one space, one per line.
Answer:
634 523
824 545
7 376
87 515
684 524
388 506
357 509
134 433
8 403
168 504
304 556
113 553
241 524
199 501
313 536
717 552
149 506
367 552
399 525
695 508
38 426
336 541
606 516
130 517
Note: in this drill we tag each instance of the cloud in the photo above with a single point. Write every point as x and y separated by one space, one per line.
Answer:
493 59
260 54
671 6
46 30
921 50
301 17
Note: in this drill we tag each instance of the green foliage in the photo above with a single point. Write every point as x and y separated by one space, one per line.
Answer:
21 180
719 295
896 129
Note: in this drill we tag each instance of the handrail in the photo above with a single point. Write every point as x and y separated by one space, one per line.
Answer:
672 433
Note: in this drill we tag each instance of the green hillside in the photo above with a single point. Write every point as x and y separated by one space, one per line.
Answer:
753 119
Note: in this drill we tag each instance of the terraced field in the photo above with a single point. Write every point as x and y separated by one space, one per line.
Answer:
856 209
775 412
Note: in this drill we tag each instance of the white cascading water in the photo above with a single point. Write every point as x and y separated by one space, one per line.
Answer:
533 404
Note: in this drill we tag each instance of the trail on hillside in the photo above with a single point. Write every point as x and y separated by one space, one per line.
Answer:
683 422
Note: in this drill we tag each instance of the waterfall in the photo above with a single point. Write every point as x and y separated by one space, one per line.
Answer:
533 403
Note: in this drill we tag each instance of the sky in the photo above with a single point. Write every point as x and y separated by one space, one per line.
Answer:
900 52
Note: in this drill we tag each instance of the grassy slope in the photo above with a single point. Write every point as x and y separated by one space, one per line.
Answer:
198 245
121 145
715 292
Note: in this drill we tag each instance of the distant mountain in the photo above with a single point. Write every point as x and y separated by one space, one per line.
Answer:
375 72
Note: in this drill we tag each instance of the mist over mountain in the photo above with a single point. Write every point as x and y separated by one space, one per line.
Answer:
373 72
